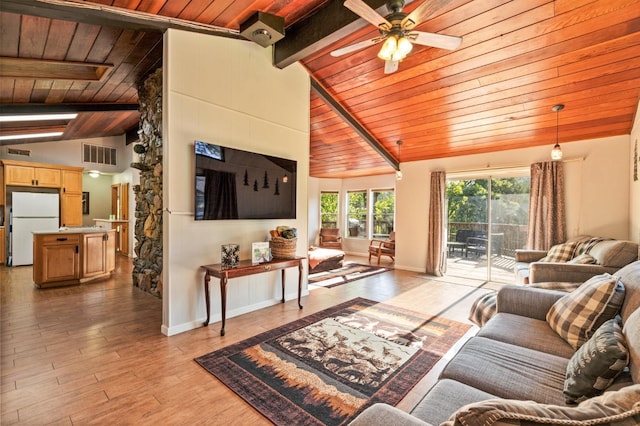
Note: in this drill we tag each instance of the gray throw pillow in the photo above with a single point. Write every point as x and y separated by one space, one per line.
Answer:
597 363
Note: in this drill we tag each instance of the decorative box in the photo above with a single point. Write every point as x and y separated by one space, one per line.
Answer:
230 255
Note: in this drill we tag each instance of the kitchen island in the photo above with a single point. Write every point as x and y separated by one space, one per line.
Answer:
73 256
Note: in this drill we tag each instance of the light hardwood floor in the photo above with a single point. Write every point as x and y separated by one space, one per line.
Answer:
94 354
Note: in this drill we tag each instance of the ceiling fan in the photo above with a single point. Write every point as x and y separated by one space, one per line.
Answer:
396 31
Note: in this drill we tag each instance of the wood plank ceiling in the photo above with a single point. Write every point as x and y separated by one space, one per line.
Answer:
495 92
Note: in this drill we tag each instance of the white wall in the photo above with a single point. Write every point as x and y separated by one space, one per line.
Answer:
99 190
597 192
634 192
69 153
225 92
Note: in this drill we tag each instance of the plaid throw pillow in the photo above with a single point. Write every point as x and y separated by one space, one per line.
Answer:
597 363
560 252
576 316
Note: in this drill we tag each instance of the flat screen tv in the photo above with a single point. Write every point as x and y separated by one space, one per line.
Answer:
235 184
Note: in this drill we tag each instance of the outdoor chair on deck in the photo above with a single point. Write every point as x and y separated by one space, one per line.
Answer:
330 238
379 248
478 245
461 240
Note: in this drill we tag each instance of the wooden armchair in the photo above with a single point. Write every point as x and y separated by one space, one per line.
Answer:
330 238
379 248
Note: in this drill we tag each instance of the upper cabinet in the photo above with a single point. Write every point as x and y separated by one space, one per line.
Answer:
28 175
71 181
66 179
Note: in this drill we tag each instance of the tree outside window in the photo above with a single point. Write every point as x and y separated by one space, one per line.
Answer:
329 209
357 214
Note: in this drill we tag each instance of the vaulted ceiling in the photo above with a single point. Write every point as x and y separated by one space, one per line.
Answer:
495 92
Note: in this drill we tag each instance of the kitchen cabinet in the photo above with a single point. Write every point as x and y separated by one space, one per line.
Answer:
72 257
71 198
66 179
26 175
99 253
3 246
56 258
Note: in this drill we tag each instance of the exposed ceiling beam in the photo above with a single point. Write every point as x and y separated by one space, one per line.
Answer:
353 123
110 16
330 24
16 109
52 70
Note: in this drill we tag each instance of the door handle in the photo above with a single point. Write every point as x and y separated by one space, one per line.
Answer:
61 239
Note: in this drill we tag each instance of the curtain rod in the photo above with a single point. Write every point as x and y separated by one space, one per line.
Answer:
510 167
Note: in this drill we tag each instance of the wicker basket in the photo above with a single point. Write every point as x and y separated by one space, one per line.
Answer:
283 248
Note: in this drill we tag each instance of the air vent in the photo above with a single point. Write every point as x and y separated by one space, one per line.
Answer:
97 154
14 151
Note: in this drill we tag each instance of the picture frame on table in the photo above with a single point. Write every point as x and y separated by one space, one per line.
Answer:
260 252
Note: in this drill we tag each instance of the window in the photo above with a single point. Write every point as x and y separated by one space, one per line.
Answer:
98 154
383 212
329 209
357 213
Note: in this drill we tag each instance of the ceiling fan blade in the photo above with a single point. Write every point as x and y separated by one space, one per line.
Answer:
390 67
435 40
356 46
420 13
363 10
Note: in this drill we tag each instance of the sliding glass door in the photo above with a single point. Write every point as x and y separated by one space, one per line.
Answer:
487 222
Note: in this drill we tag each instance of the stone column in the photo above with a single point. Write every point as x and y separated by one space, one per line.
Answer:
147 266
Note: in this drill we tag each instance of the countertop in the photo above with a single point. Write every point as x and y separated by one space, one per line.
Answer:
74 230
111 220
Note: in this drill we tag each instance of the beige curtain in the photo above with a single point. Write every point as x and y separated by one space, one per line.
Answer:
436 256
546 206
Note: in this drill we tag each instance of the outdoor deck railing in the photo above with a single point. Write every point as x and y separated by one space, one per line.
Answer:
514 235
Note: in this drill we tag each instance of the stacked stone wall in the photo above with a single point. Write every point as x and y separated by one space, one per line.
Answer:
147 266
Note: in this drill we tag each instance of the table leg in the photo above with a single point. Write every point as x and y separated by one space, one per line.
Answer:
283 275
207 277
300 268
223 301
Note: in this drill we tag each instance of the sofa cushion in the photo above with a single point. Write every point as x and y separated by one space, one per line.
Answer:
630 277
612 408
582 259
597 363
384 414
532 333
444 399
631 332
560 252
615 253
508 371
576 316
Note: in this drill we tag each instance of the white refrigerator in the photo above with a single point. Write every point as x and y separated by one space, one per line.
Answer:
30 211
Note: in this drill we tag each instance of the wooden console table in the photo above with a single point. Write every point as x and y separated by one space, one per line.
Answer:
244 268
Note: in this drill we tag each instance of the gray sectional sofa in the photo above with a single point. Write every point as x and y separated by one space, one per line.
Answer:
576 260
514 370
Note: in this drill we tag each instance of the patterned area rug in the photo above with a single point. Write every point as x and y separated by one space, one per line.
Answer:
351 271
326 368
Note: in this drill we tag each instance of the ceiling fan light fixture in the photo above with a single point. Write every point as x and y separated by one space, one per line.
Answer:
388 48
395 48
404 47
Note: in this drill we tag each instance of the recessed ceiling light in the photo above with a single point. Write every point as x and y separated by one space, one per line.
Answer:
37 117
31 135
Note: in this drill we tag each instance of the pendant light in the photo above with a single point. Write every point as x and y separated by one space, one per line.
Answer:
399 172
556 152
